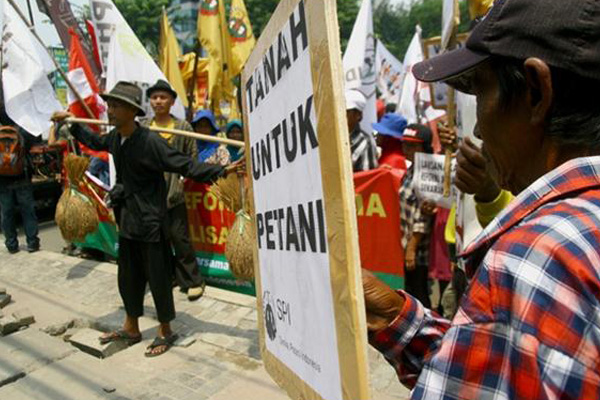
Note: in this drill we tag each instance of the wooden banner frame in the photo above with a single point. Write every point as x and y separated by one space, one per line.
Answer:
439 87
340 213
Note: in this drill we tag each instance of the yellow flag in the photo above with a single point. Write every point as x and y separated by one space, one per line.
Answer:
478 8
210 35
169 58
241 36
227 83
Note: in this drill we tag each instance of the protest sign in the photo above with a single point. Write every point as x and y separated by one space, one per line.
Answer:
429 179
378 213
390 74
309 290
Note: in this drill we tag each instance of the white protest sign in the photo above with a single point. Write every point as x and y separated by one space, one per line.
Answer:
313 346
429 179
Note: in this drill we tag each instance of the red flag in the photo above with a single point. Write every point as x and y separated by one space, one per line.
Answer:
81 76
92 32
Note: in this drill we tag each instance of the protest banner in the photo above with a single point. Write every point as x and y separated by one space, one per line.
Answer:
209 223
429 179
378 213
390 74
307 254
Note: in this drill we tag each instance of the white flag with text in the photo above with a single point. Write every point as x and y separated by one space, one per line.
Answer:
29 98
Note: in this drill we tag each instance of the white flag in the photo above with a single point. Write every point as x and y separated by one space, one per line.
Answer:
359 63
409 95
124 56
450 20
29 98
390 74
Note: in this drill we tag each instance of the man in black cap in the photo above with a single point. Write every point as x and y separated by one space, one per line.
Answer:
139 201
528 326
162 98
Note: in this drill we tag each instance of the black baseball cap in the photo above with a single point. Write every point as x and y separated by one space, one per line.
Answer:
563 33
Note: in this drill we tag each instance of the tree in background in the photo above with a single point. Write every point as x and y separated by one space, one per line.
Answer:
144 18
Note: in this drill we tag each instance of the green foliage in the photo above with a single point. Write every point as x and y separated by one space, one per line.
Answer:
395 26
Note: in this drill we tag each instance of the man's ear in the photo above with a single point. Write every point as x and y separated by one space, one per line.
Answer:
539 88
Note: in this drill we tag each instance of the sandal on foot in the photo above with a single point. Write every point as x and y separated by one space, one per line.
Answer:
165 342
120 335
194 293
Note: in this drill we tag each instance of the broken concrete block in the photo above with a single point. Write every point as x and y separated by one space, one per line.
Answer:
8 325
185 341
24 316
4 300
87 340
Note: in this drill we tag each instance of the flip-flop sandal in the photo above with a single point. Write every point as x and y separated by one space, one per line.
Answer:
165 342
120 335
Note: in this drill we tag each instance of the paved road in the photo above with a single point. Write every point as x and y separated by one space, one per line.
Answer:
223 363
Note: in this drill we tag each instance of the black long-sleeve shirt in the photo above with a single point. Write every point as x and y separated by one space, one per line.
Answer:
140 161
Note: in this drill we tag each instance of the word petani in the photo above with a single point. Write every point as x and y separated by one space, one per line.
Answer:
299 228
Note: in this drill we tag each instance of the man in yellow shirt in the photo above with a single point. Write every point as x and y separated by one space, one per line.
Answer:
188 277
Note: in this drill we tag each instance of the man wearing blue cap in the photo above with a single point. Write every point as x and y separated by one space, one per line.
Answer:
389 138
204 122
187 275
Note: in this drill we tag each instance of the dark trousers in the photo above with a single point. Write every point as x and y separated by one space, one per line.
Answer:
417 284
10 198
141 263
187 273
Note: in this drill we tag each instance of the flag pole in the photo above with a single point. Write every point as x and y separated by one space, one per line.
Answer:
451 110
58 68
192 88
193 135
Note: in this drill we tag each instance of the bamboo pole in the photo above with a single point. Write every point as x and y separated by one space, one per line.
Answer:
193 135
58 68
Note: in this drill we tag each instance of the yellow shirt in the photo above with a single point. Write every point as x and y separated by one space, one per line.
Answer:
170 125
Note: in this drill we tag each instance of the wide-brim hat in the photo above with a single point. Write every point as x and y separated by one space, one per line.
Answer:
126 92
163 86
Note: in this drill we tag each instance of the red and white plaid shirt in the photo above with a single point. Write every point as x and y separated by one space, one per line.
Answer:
529 325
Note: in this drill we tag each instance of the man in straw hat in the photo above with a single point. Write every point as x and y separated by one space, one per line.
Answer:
140 202
162 98
528 326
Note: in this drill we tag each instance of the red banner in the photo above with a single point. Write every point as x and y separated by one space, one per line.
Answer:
379 234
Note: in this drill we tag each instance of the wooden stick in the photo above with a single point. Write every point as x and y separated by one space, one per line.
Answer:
193 135
58 68
451 115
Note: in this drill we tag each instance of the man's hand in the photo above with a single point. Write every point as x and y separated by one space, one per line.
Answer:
472 176
428 208
410 258
382 303
448 137
238 167
60 116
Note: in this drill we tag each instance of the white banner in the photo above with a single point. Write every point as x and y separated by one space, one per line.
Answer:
293 251
29 98
429 179
390 74
123 55
359 63
408 100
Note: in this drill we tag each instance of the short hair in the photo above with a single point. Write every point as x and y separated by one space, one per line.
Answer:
575 114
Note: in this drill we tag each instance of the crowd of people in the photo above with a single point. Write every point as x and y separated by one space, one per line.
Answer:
519 316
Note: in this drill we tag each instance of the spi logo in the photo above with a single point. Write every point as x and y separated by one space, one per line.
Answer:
275 310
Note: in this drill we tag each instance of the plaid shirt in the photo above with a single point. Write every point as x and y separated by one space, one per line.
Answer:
364 150
412 220
529 324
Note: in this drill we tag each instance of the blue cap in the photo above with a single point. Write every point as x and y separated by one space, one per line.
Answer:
232 123
391 125
206 114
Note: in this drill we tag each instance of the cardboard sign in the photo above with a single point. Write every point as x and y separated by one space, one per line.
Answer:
309 290
429 179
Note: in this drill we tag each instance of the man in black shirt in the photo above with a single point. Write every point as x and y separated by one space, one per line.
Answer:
139 199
